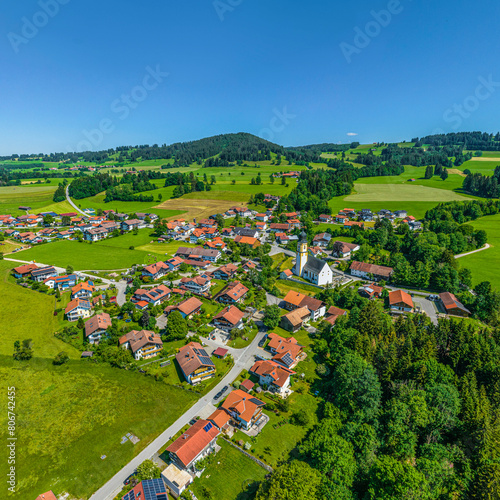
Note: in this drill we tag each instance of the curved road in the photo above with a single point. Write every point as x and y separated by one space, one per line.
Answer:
486 246
243 359
71 202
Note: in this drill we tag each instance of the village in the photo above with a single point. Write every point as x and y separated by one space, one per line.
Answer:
198 313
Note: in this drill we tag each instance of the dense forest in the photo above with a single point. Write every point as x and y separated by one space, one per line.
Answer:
480 141
485 186
123 188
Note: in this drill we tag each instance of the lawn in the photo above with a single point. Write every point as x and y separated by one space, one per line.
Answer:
485 265
231 475
278 444
69 416
286 286
83 256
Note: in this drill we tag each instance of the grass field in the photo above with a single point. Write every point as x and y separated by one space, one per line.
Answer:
366 193
230 476
198 208
485 265
69 416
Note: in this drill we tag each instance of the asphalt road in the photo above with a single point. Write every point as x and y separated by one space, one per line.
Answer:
243 358
70 201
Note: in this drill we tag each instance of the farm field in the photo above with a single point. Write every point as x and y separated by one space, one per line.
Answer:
485 166
242 481
199 207
36 196
397 192
485 265
69 416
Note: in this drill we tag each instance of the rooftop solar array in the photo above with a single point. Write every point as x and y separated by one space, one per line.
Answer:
206 360
152 488
287 359
208 427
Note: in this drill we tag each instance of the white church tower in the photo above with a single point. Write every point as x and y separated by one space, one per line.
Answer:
301 259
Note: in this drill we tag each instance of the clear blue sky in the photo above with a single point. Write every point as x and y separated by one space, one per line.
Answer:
230 70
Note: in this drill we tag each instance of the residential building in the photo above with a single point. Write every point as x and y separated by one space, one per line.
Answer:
399 300
246 231
176 480
452 305
220 418
42 273
371 271
244 409
233 293
333 313
199 253
195 363
285 351
294 320
295 300
247 240
128 225
196 443
96 327
197 285
277 227
83 290
154 296
187 308
342 249
24 271
229 318
78 308
46 496
325 218
371 291
273 376
311 268
144 344
322 240
225 272
149 489
156 271
174 264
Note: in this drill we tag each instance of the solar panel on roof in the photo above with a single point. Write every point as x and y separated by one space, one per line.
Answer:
256 401
208 427
206 360
202 352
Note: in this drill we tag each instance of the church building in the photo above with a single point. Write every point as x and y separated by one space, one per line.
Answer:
310 268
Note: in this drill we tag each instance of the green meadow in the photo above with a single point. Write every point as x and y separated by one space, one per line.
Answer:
69 416
485 265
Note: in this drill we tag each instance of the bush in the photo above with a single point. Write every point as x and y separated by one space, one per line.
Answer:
131 247
60 359
237 384
301 419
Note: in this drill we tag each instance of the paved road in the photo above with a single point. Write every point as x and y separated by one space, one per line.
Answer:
243 358
486 246
70 201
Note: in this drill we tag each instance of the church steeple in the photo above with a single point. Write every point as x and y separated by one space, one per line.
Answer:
301 259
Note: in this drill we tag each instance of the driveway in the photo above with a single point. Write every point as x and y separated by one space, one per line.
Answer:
427 306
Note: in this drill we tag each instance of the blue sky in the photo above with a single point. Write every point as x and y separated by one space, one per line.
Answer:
272 68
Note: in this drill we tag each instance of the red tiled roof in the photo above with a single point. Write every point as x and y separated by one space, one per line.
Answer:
190 444
400 296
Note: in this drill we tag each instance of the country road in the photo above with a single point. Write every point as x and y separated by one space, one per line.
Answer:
70 201
486 246
243 359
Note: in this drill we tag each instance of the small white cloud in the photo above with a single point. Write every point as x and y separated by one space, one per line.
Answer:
351 133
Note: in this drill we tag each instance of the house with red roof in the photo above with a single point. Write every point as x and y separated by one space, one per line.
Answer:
244 409
156 271
78 308
83 290
144 344
194 444
229 318
273 375
96 327
400 300
232 293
